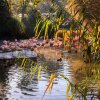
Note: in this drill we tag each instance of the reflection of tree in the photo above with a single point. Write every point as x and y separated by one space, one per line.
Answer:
88 81
52 66
98 94
3 78
27 84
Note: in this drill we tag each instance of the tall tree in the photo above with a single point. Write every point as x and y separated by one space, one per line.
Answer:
4 14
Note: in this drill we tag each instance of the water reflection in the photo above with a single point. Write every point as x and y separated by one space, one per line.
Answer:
3 77
15 83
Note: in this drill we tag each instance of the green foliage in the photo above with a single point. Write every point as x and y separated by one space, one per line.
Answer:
82 88
10 27
49 27
45 28
86 86
30 22
86 12
4 8
15 27
33 67
4 14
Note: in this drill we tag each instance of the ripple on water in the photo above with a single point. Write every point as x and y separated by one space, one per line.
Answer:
18 85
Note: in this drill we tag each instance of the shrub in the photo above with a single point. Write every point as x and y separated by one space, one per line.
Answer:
15 28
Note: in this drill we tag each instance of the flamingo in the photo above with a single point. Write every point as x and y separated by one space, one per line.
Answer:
12 47
76 38
5 42
47 45
43 43
2 47
55 45
5 47
51 42
38 48
35 40
60 44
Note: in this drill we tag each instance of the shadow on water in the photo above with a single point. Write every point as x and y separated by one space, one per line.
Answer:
3 78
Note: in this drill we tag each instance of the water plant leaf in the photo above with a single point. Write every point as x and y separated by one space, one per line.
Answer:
42 28
23 61
67 90
20 54
33 71
39 71
50 85
99 28
64 77
36 29
71 97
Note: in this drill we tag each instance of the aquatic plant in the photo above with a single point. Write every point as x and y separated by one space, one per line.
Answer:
48 26
85 87
83 11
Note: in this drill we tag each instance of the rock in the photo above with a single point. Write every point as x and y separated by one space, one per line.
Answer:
18 54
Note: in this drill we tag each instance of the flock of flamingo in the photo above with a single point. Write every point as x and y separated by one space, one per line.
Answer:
32 44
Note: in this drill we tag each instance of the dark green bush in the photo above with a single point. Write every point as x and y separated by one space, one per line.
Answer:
30 22
15 28
12 29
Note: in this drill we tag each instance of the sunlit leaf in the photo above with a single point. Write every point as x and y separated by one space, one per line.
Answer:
50 85
33 71
99 28
64 77
23 61
39 71
71 97
67 90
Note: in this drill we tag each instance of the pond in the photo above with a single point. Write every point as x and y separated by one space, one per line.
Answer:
15 83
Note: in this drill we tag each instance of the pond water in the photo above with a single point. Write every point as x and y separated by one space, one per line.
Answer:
15 83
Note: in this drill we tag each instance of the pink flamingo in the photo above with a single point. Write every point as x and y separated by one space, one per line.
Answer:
35 40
